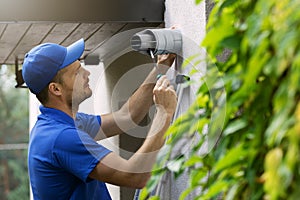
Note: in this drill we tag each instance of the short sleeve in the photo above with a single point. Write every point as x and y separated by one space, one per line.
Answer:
88 123
76 152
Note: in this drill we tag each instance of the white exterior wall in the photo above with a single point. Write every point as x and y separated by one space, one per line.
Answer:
188 17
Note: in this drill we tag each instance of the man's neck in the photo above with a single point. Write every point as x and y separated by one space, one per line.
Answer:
69 110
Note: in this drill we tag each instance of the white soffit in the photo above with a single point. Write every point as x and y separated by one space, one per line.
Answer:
27 23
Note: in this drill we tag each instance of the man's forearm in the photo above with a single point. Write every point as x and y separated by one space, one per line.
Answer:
143 160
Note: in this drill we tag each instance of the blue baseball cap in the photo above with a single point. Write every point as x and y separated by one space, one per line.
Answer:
42 63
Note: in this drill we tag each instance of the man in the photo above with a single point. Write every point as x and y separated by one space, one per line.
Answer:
64 159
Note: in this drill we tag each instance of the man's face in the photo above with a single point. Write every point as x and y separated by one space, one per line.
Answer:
76 84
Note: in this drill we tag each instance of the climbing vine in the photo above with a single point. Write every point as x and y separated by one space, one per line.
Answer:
257 152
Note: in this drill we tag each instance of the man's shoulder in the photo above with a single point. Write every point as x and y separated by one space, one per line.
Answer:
85 116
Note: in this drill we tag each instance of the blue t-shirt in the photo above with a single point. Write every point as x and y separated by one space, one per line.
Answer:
62 154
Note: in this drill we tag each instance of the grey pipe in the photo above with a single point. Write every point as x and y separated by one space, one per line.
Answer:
159 41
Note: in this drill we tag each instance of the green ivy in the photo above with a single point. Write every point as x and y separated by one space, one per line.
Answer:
251 100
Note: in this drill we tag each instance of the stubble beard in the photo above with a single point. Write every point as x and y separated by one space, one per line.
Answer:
75 100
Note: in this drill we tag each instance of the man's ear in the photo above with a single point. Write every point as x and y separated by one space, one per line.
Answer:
55 88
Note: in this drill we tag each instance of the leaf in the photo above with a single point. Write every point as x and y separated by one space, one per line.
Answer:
154 198
175 165
235 126
185 193
198 1
197 176
152 183
273 159
163 156
216 188
232 192
231 42
193 160
198 125
232 157
227 3
223 29
275 126
144 194
175 132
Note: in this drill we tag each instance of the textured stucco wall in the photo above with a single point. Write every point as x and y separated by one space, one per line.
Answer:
188 17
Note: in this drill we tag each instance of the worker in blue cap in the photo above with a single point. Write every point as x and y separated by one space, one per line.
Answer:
64 159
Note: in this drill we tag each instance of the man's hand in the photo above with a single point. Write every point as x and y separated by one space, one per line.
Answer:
165 96
166 59
164 62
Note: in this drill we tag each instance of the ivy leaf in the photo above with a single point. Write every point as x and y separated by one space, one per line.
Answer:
197 176
233 156
198 1
227 3
175 165
154 198
215 189
193 160
231 42
232 192
185 193
144 194
235 126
